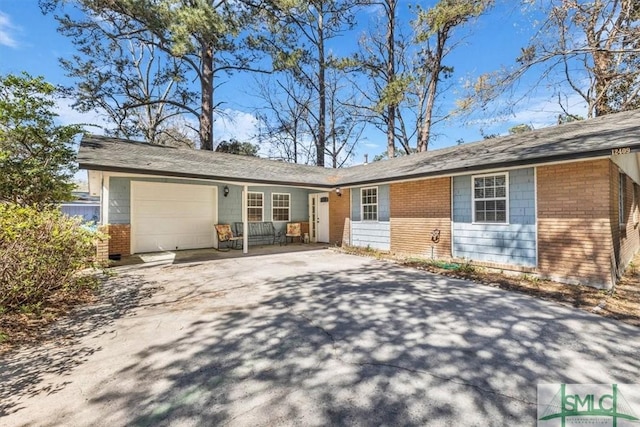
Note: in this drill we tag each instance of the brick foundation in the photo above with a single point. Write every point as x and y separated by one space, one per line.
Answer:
120 239
339 217
417 208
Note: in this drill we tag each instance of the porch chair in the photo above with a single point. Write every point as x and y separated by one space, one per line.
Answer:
226 235
293 230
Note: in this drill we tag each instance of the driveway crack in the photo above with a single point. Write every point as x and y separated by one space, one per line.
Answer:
320 328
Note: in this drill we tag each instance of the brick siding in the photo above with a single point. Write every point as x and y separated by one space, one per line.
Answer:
339 217
120 239
102 246
574 222
417 209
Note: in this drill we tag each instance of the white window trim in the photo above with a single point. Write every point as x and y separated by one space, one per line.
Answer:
288 207
255 207
370 204
473 199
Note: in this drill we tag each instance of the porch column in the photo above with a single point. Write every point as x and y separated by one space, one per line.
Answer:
104 200
245 220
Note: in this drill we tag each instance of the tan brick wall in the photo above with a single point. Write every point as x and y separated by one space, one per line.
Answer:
416 209
626 238
574 226
339 217
120 239
102 246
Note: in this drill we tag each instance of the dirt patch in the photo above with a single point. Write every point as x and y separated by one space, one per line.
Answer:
622 303
71 315
23 328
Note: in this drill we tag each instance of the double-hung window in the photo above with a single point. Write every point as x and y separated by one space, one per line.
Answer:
255 206
490 198
280 207
369 203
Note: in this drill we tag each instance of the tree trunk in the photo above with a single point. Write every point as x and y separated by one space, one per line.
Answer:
391 73
322 118
425 132
295 140
206 113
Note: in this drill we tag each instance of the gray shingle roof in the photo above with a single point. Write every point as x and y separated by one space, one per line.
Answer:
585 139
118 155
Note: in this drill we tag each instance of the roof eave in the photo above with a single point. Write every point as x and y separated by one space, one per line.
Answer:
102 168
485 166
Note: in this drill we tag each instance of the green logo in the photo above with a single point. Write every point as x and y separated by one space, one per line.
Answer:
584 404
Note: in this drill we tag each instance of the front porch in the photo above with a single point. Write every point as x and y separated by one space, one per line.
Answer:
210 254
149 214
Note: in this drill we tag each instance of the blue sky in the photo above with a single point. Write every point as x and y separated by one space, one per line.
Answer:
29 42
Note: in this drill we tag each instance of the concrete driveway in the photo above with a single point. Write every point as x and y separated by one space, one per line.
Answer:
313 338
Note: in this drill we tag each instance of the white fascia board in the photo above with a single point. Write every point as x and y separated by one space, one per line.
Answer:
217 181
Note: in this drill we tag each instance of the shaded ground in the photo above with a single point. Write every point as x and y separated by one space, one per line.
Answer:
312 338
622 303
18 329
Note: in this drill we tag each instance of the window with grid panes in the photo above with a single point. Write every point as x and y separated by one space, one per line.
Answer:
490 194
255 206
280 206
369 203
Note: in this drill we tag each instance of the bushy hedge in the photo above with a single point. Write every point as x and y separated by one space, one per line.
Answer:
41 250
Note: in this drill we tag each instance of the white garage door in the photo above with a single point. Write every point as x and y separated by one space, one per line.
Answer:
172 216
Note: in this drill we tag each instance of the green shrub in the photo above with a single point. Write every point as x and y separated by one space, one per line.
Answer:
41 250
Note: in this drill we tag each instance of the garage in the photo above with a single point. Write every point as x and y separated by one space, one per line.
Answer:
166 216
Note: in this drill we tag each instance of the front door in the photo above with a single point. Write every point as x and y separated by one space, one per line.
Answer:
319 217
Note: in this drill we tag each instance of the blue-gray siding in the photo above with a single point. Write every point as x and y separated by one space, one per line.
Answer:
119 200
87 212
513 243
299 204
374 234
383 203
229 208
371 234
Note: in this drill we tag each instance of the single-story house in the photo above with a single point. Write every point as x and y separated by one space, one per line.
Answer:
560 202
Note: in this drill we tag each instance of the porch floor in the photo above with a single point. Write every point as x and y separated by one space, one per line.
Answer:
210 254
